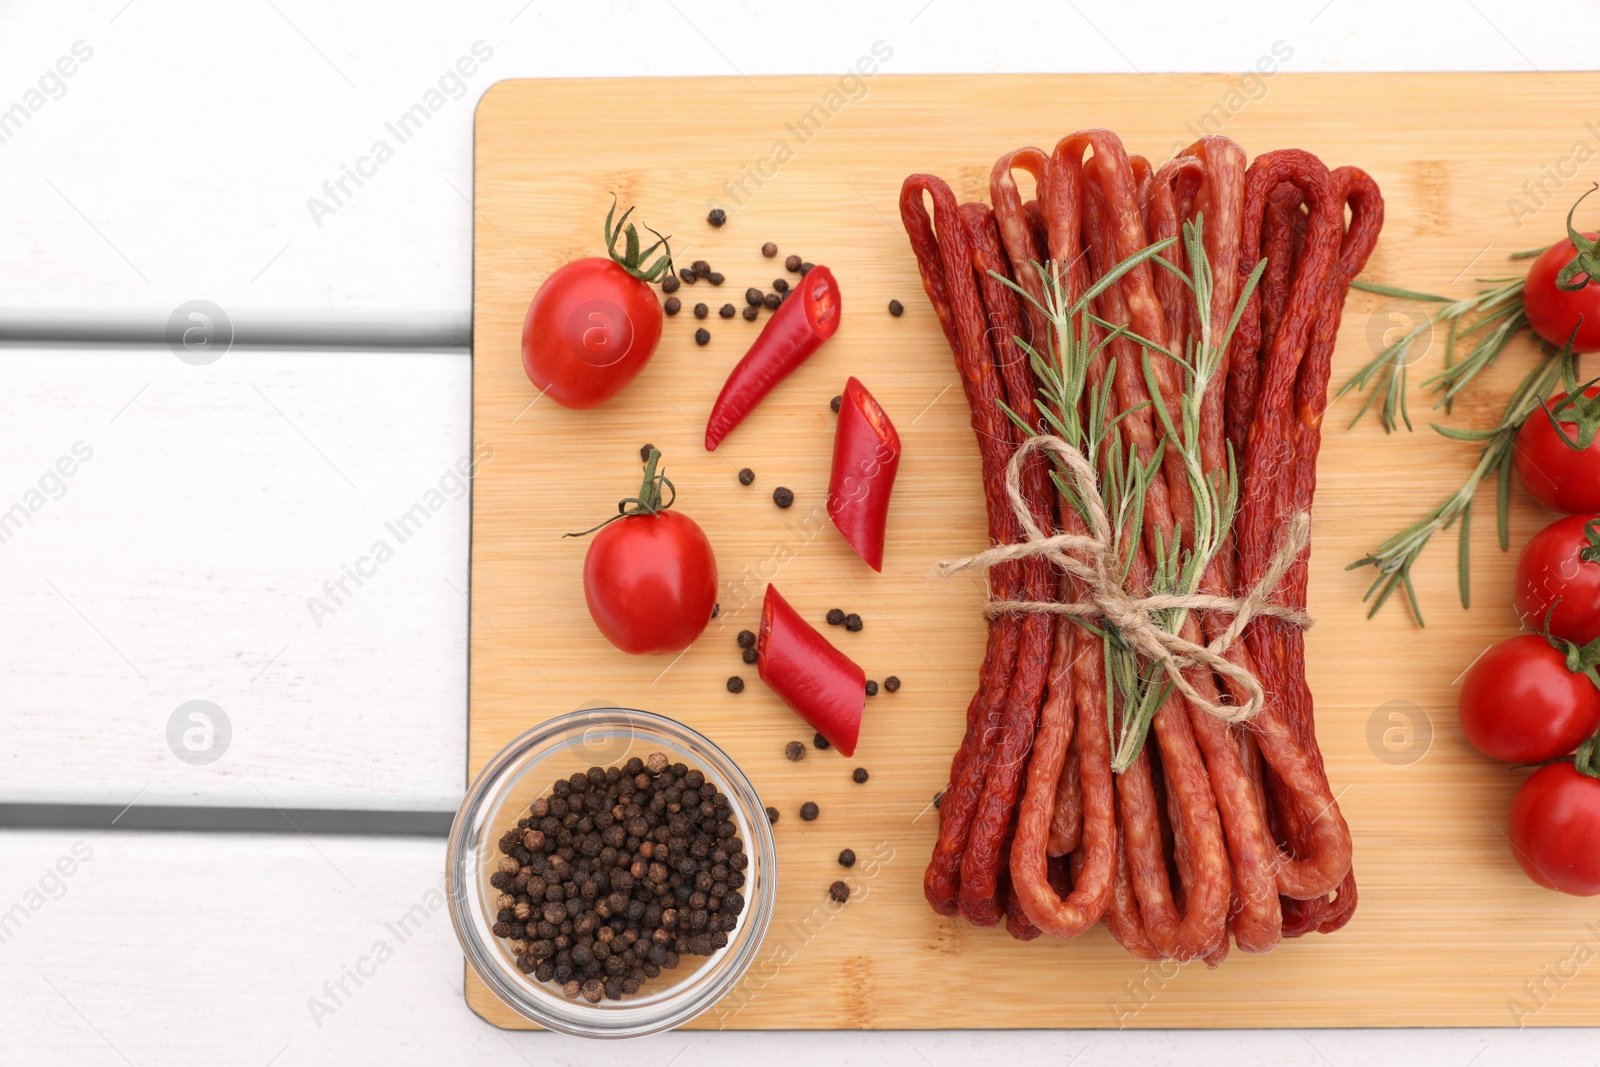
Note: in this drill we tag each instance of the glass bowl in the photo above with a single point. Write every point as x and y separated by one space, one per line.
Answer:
525 770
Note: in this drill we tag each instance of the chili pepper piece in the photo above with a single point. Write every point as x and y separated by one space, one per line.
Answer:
796 329
817 681
866 456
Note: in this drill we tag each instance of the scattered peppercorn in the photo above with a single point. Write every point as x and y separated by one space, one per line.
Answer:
717 216
847 858
617 874
750 655
746 639
836 403
780 285
808 811
746 475
859 775
794 751
716 609
716 277
750 314
839 892
702 336
819 742
644 452
672 306
701 311
805 268
852 622
782 497
727 311
835 616
792 264
752 296
688 275
670 284
771 301
736 684
896 308
769 249
891 684
700 267
772 815
872 688
938 798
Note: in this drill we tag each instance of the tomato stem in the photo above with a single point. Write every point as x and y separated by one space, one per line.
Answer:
649 501
1587 759
632 257
1585 266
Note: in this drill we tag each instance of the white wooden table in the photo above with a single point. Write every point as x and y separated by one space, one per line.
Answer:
175 519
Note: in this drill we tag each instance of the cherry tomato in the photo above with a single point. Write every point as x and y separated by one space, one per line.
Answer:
651 582
1554 829
1520 703
1553 313
590 330
1558 476
1551 570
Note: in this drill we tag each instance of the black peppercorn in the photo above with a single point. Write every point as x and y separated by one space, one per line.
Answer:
702 336
746 639
852 622
753 296
806 268
835 616
938 798
769 249
795 751
716 609
896 308
717 216
872 688
750 314
701 311
727 311
839 892
716 277
749 655
847 858
688 275
735 684
891 684
644 452
782 497
819 742
772 815
746 476
670 284
808 811
771 301
836 403
780 285
700 267
792 264
859 775
672 305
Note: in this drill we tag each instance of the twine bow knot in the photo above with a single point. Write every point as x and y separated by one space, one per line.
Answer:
1092 560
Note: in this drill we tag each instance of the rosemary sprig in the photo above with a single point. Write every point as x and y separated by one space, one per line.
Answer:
1395 557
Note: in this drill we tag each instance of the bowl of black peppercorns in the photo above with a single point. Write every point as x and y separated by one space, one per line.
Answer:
612 874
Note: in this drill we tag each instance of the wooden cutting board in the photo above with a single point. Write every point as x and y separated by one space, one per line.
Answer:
1473 166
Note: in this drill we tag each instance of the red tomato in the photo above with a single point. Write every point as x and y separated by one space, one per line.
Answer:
1558 476
651 582
1552 313
590 330
1554 829
1550 570
1520 704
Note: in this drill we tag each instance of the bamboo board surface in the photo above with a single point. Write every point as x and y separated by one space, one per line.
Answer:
1448 932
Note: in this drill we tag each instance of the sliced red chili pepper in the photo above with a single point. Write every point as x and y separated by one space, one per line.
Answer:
818 682
866 455
799 326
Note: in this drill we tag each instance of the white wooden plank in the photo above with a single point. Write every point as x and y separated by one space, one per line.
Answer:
177 161
164 529
123 948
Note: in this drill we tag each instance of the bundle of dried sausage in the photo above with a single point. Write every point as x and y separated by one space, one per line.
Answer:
1206 825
